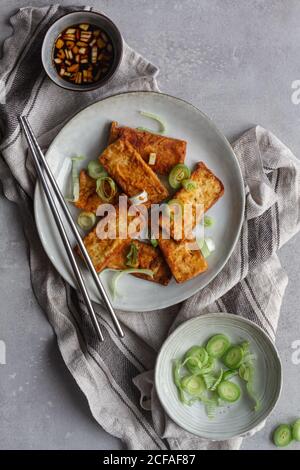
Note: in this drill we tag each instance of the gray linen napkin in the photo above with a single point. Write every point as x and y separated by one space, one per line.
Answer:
251 284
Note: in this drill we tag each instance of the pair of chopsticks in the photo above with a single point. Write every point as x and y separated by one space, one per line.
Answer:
42 169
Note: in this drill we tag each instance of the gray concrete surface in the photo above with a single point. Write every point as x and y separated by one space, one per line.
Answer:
235 60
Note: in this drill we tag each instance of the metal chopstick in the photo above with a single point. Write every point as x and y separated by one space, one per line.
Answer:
30 134
64 236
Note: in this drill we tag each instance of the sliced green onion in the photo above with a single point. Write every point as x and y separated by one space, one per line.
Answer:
229 391
209 380
228 374
154 242
96 170
208 221
296 430
178 174
177 380
75 179
152 159
194 385
156 118
210 409
245 372
233 357
209 366
207 246
195 358
217 345
176 203
86 220
218 381
211 405
132 256
140 198
119 274
106 188
282 435
252 394
189 184
210 244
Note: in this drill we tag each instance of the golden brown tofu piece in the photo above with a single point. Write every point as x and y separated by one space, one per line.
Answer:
148 257
101 250
169 152
88 198
184 263
131 173
207 192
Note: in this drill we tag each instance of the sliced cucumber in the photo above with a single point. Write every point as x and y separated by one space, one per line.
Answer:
194 385
296 430
195 358
282 435
217 345
229 391
233 357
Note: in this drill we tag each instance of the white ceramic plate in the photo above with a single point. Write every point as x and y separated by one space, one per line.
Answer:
86 134
237 419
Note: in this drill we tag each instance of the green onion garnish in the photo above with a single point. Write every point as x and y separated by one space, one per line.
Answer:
155 118
96 170
115 279
75 179
132 256
178 174
106 188
154 242
86 220
189 185
208 221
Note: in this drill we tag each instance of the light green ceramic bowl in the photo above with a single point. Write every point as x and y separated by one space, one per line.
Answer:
234 420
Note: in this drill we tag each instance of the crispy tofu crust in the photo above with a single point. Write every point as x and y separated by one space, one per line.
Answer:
184 263
101 251
132 174
169 151
148 258
88 198
207 192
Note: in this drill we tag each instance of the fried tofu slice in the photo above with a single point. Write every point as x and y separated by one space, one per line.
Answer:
148 257
206 193
101 250
88 198
185 263
169 151
131 173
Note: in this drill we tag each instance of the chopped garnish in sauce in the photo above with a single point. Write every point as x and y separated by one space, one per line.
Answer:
83 54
